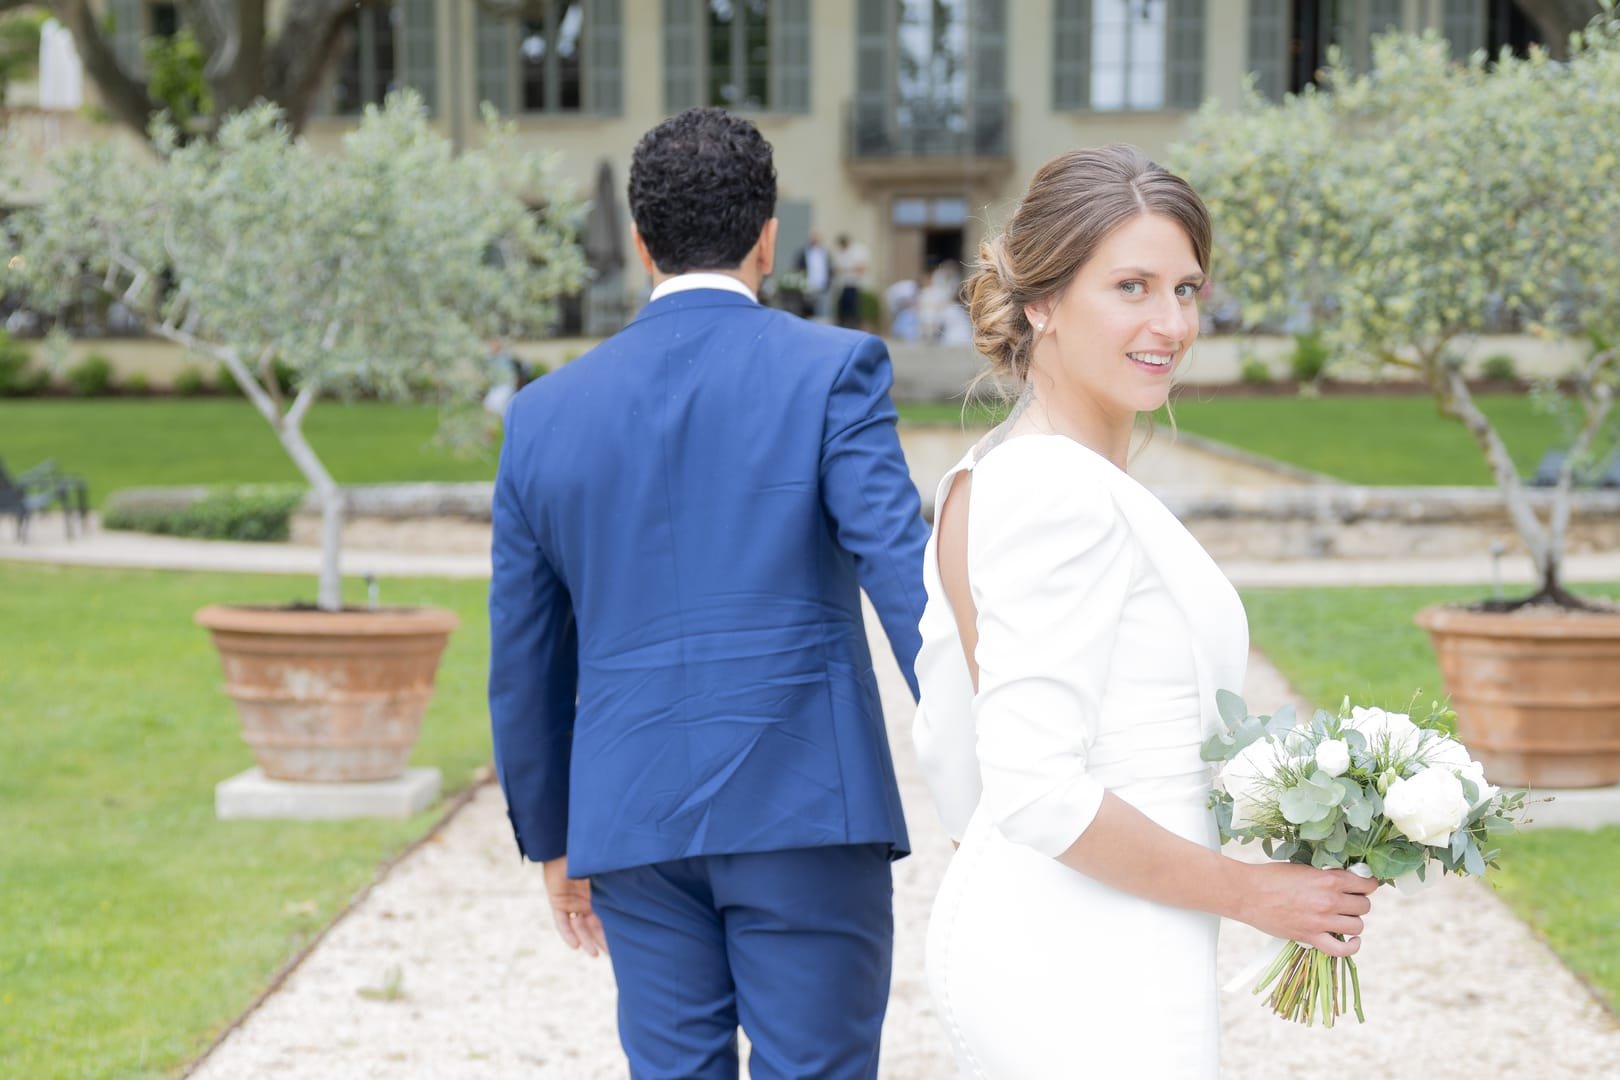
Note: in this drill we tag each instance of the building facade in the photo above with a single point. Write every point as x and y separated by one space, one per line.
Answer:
909 125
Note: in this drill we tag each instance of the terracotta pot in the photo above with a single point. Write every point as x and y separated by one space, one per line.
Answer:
1537 694
326 695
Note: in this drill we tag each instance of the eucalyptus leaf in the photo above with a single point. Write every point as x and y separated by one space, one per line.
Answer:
1231 708
1473 861
1299 804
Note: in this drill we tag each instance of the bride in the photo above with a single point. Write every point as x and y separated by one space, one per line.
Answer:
1073 641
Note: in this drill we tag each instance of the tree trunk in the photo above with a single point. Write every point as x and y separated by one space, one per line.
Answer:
1555 20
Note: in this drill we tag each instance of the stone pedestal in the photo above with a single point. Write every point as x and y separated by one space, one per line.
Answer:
251 794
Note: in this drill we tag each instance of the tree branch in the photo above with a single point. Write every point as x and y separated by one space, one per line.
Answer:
1459 402
124 95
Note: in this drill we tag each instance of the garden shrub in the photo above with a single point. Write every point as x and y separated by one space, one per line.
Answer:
258 513
1310 356
1500 367
18 377
91 377
190 381
1254 372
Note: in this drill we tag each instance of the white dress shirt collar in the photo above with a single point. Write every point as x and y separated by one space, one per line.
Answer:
683 282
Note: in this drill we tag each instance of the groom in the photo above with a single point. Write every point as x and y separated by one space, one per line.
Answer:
687 727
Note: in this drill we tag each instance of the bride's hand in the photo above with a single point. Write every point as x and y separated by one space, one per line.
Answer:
1304 904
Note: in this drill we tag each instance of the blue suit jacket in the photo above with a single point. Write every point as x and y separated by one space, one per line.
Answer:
683 519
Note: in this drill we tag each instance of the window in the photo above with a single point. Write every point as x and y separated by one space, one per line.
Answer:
931 73
1120 55
1127 54
389 48
561 57
551 59
739 54
368 69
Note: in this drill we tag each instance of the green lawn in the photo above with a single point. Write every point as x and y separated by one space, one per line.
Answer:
1361 642
1370 440
1362 439
158 442
133 925
136 443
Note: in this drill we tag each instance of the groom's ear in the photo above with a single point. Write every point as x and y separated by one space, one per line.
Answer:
642 253
765 248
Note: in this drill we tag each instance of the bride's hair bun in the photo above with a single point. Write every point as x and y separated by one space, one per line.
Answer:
1001 331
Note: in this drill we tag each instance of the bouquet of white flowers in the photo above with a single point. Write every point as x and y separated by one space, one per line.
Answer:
1367 790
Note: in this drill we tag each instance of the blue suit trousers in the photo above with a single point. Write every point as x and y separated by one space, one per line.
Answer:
795 946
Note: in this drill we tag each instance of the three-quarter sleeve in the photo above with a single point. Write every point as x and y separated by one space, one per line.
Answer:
1050 563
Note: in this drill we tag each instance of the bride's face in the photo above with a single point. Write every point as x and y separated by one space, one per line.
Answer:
1126 320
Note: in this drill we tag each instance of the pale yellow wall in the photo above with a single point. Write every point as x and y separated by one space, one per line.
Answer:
809 148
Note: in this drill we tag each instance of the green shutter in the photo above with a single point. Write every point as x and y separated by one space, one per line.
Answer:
1463 23
790 56
1268 46
871 120
604 63
682 70
1071 54
1184 55
129 27
987 40
418 42
494 34
792 232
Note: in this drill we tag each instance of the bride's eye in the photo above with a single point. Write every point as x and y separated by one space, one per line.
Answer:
1187 290
1132 288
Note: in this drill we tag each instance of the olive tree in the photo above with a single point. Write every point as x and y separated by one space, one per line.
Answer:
380 269
1425 201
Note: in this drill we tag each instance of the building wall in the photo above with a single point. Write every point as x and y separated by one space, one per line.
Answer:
810 147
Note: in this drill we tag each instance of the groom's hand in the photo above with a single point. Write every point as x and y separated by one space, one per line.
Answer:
571 908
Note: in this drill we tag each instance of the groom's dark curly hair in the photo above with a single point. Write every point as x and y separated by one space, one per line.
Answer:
702 187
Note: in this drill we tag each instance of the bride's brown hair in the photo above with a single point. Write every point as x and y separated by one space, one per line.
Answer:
1074 201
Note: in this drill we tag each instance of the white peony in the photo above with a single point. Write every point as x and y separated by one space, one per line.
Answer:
1248 778
1333 756
1428 806
1442 750
1386 729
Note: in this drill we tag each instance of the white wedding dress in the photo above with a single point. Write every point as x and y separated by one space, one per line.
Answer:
1104 631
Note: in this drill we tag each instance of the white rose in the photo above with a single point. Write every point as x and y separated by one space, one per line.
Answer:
1386 729
1428 806
1333 756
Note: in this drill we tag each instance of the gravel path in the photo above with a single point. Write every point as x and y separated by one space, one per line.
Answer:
1454 985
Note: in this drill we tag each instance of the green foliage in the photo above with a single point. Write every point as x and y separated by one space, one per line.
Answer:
1424 200
1500 367
870 307
190 381
137 382
243 513
371 271
19 45
1254 372
91 376
176 78
18 376
136 924
1309 360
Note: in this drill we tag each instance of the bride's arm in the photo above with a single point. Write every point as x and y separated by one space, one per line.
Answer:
1050 564
1125 848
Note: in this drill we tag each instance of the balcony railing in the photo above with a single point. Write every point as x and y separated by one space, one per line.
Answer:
928 130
